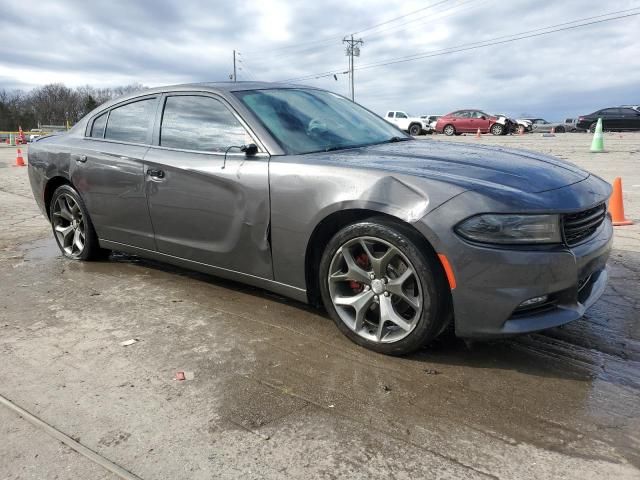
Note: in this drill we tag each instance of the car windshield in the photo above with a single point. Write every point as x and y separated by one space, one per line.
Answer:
306 120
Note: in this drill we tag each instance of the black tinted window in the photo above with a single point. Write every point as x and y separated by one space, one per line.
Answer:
200 123
97 129
131 122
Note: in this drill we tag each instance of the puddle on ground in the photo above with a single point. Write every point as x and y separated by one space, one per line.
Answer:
43 249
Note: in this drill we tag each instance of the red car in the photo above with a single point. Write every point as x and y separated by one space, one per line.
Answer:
469 121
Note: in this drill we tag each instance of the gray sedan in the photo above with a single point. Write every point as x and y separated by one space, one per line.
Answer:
540 125
302 192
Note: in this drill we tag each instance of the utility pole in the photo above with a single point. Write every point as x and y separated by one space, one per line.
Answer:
235 77
352 51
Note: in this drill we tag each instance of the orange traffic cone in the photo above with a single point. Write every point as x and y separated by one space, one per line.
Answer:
19 159
478 134
553 130
615 205
520 130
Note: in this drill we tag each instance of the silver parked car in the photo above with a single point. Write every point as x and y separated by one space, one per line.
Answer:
540 125
305 193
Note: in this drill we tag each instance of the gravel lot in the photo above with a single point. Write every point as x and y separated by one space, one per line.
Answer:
277 392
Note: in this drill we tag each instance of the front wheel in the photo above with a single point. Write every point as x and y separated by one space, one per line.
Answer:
497 129
382 290
559 130
72 227
592 127
415 129
449 130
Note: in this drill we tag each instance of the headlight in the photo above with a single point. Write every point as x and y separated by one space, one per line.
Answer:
511 229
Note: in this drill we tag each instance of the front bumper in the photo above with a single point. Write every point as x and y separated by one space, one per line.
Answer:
492 284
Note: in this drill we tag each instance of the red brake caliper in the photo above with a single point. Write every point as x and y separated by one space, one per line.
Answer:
363 262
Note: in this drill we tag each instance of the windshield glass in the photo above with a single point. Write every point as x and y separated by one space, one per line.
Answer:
305 121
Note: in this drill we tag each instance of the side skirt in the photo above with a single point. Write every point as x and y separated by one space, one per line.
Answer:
298 294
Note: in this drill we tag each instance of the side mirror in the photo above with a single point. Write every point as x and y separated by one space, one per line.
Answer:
483 117
250 150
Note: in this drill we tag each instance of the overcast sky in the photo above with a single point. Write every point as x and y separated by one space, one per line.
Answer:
157 42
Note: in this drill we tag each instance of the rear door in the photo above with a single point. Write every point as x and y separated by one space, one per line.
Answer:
107 170
208 201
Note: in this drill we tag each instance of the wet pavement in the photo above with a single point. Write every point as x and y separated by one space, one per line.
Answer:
278 392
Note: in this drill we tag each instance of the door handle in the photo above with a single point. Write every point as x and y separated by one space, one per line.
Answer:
80 158
155 173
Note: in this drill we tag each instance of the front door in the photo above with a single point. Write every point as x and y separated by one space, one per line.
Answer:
108 172
206 205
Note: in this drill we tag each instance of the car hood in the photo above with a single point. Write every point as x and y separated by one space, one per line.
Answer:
470 166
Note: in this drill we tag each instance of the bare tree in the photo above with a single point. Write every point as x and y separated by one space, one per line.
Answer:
54 104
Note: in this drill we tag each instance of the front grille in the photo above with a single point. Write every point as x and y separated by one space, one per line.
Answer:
577 227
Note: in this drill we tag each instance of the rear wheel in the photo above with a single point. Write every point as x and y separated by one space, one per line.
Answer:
449 130
497 129
72 227
382 290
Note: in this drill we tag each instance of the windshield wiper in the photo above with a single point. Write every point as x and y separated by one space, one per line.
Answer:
397 139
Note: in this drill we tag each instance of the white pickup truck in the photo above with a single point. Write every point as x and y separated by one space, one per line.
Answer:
413 125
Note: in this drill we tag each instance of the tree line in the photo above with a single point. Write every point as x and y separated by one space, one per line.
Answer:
54 104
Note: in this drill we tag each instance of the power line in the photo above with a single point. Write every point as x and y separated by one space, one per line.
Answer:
491 42
486 43
401 17
325 44
424 19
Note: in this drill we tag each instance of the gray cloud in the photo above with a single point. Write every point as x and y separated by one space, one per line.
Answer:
161 42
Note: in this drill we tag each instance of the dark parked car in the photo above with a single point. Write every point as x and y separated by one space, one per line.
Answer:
470 121
613 119
303 192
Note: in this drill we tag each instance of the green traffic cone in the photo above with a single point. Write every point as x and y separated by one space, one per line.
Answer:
597 144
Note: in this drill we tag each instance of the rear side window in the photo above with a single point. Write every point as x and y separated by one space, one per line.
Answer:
191 122
131 122
97 129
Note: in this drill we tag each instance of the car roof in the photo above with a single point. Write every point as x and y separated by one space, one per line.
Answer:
214 87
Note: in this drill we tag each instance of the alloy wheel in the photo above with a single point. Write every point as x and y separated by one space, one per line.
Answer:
68 225
375 290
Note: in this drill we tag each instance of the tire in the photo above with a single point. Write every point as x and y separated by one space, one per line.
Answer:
415 129
497 129
449 130
407 287
592 127
72 227
560 130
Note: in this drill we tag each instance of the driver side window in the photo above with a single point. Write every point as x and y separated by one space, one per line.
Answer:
400 115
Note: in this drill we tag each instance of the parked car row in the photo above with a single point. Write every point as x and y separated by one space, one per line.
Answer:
625 117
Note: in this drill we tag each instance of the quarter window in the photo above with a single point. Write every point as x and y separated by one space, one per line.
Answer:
191 122
131 122
97 129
